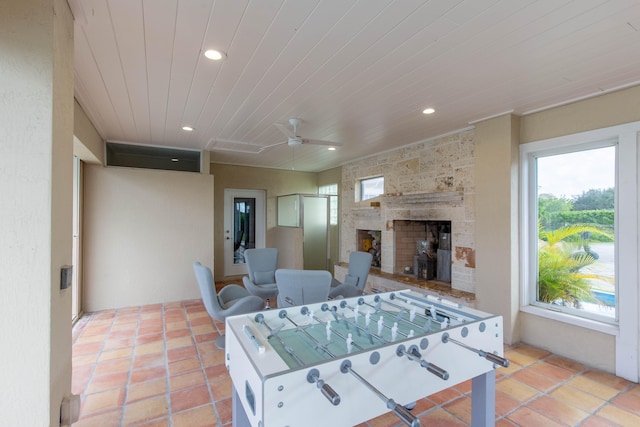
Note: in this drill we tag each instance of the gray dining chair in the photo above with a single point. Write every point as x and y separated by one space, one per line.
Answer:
297 287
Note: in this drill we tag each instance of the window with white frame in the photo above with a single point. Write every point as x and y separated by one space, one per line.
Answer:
574 189
332 191
371 187
572 255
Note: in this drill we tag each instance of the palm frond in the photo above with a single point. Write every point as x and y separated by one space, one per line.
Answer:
561 277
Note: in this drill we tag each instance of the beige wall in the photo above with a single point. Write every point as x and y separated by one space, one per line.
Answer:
497 167
603 111
497 289
497 234
143 230
36 131
274 181
586 346
87 143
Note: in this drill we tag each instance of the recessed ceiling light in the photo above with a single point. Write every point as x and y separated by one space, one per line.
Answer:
187 128
428 111
214 55
331 148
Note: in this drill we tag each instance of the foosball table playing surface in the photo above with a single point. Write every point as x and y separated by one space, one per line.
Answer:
345 361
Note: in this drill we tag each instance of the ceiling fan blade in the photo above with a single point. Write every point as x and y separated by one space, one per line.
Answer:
217 144
284 129
273 145
320 142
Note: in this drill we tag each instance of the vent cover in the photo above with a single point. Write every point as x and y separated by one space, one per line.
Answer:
148 157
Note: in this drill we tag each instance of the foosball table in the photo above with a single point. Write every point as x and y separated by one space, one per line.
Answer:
344 361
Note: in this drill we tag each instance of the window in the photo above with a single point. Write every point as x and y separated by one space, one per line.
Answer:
371 187
574 236
332 191
574 205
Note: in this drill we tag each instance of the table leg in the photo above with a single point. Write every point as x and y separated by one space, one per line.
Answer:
483 400
238 415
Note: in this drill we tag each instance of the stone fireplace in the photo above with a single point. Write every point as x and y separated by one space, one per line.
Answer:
394 229
428 181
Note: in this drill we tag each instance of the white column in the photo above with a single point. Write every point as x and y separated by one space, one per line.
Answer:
36 140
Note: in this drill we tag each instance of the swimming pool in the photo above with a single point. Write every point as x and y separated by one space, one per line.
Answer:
607 298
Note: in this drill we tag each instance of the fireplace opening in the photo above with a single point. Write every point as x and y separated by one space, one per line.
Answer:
423 249
370 241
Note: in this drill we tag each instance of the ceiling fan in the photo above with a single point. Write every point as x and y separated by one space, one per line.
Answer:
293 140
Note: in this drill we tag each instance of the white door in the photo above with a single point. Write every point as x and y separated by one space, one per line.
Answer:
244 227
77 220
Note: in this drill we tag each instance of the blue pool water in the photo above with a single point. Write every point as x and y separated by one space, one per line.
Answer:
607 298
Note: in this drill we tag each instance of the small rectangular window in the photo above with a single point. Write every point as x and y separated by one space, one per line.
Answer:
332 191
371 187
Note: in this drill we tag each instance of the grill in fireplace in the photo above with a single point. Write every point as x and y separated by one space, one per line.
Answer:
423 248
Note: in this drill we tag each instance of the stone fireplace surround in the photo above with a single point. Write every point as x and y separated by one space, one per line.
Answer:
430 180
407 212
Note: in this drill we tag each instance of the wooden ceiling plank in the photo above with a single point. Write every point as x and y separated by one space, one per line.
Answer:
269 58
127 21
219 33
191 26
251 27
159 33
101 39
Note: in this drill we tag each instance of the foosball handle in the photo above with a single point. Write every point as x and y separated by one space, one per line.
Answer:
494 358
435 370
403 413
327 391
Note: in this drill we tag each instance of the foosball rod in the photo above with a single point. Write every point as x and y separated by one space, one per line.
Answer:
305 312
494 358
260 319
335 314
414 355
399 410
384 324
283 315
411 304
361 301
344 304
327 391
333 311
425 307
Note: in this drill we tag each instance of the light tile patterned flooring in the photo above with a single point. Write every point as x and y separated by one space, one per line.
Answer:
156 365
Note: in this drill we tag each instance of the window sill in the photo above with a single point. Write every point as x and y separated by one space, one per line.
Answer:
605 328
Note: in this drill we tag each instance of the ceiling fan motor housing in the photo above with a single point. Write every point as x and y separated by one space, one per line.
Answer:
294 141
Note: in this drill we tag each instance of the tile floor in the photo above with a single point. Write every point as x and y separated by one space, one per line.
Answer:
156 365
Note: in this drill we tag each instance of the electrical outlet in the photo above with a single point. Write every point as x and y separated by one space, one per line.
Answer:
66 273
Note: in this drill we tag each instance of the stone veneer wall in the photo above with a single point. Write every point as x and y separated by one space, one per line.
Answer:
443 166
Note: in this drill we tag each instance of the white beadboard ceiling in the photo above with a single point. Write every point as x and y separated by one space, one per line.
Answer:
357 72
